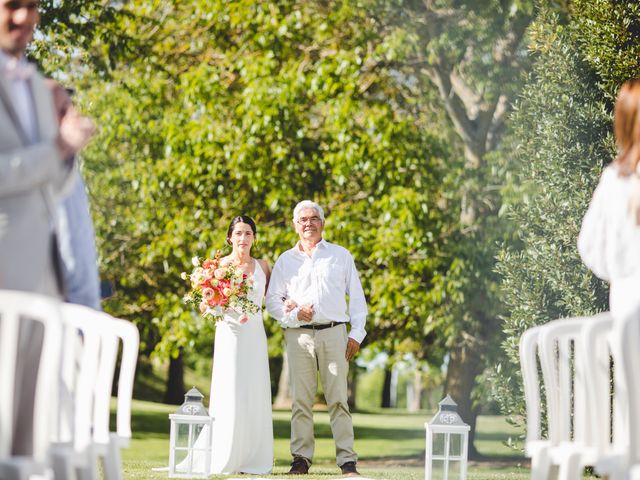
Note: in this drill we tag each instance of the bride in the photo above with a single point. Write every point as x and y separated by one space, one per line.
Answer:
240 386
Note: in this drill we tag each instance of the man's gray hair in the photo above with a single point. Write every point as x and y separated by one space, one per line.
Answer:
304 204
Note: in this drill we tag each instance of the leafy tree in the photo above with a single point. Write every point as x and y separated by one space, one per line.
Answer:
561 139
470 65
263 106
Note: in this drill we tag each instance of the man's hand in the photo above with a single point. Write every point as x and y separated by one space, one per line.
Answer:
305 313
352 349
61 98
289 305
75 132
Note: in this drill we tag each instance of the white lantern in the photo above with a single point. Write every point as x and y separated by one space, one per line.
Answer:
190 438
447 444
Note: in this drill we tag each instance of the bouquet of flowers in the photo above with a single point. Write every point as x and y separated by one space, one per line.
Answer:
217 289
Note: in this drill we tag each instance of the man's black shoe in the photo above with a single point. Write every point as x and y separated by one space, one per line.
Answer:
349 469
299 466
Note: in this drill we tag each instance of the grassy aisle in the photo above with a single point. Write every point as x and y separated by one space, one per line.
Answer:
390 446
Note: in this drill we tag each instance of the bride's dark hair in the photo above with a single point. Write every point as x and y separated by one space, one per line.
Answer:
241 219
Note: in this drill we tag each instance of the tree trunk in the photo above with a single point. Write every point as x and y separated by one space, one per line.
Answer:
386 388
414 403
395 377
465 363
174 393
283 397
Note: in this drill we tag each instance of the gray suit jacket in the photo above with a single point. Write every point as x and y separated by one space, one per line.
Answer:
31 177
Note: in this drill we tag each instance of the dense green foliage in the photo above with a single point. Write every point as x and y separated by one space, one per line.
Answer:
248 108
392 114
560 141
210 109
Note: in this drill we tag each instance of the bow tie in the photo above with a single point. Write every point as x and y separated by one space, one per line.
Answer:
17 70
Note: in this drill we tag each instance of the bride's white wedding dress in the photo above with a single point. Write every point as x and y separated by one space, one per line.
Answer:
240 400
241 392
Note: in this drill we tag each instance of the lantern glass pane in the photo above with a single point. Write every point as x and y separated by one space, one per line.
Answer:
437 470
455 445
182 438
454 470
180 456
438 443
197 428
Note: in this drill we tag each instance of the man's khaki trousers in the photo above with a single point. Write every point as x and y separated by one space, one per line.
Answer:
310 352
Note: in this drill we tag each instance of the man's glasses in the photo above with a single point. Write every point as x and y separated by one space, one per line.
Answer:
305 220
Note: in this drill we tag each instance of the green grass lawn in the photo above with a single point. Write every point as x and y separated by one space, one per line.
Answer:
390 445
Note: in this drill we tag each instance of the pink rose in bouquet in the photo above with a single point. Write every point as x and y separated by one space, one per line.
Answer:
217 289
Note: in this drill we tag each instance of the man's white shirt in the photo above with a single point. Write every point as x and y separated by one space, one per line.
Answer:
324 279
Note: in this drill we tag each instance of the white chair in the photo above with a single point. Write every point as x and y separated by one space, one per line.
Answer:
623 459
92 342
572 368
21 315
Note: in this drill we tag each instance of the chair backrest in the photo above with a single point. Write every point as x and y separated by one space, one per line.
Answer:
26 311
531 382
562 360
101 335
574 359
79 375
596 340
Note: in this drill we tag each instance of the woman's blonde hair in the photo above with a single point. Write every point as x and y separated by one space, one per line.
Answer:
626 127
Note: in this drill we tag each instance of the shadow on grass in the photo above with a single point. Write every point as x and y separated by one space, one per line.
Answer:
147 424
282 429
152 424
492 436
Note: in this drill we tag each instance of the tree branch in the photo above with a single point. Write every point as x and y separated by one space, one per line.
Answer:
453 104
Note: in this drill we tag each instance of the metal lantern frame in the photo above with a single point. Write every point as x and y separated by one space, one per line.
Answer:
193 422
446 422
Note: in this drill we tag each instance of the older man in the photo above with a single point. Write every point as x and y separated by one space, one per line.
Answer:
316 277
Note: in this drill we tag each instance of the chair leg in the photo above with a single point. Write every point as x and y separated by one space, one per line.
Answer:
540 465
571 468
62 463
89 470
20 469
112 462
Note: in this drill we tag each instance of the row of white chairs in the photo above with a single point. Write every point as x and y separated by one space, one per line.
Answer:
57 367
581 375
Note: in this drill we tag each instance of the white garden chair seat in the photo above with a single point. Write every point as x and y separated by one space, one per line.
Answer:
19 312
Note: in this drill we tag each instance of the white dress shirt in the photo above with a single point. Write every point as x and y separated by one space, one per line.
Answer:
323 279
16 71
609 241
